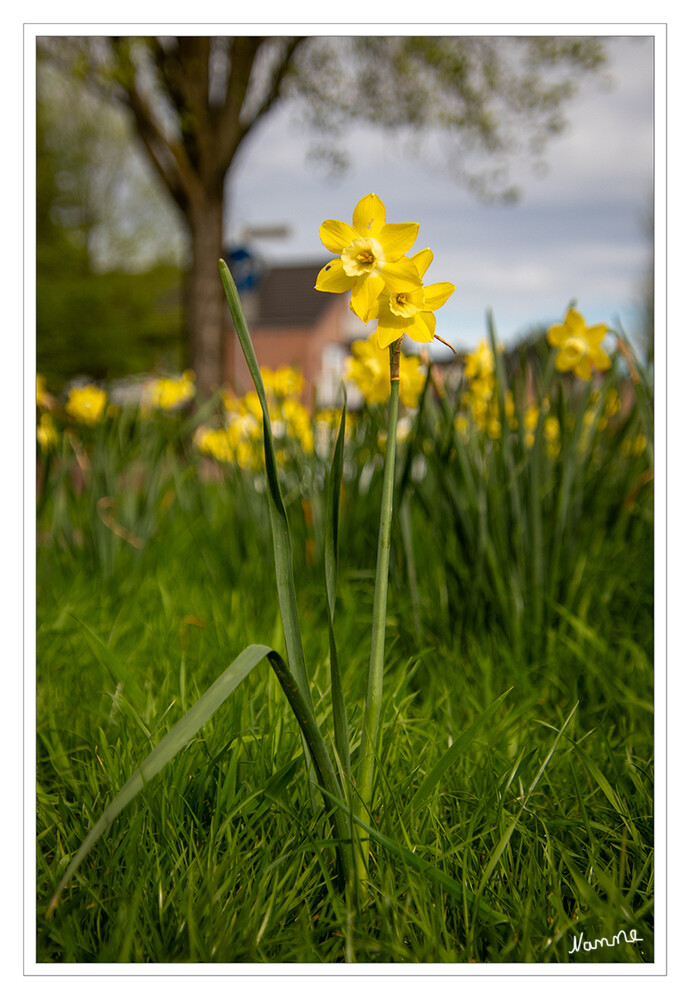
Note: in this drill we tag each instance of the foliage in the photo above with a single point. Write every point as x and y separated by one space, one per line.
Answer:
468 104
91 207
108 325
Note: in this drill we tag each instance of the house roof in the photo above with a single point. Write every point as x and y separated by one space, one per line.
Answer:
286 296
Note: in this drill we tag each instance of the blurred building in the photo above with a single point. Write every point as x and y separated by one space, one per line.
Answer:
293 324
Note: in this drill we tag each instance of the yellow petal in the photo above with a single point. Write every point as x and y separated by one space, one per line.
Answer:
600 358
583 369
333 278
369 215
336 235
595 334
563 362
365 295
422 259
436 294
386 335
388 320
397 237
557 336
422 327
400 276
575 323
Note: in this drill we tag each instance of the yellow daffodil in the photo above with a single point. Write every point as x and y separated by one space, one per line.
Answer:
86 404
579 346
229 445
411 312
372 256
168 393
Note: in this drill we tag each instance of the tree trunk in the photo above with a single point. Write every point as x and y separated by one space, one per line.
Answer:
206 308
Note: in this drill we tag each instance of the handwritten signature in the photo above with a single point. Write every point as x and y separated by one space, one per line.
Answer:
580 944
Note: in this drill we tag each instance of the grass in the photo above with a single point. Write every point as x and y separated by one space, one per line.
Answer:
541 826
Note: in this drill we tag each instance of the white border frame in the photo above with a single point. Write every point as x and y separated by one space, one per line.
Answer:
412 971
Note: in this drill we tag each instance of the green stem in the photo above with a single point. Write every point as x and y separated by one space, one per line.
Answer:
372 709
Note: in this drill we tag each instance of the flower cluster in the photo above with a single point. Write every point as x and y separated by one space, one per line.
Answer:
240 440
481 398
282 382
481 407
385 284
369 370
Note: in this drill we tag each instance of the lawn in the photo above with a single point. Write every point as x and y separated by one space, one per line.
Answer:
512 801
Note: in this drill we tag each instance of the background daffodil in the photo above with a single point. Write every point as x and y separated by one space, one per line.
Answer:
86 404
371 256
369 370
579 346
412 312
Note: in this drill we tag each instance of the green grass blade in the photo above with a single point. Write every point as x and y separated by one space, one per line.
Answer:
611 795
169 746
507 835
643 388
115 667
340 723
282 545
417 863
452 754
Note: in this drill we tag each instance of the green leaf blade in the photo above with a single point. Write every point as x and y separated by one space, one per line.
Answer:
176 739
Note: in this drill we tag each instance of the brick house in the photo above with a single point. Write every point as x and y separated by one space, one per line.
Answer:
293 324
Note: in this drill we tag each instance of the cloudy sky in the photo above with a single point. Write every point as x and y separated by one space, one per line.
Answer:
580 230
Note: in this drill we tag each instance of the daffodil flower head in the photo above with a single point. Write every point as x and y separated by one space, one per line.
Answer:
371 256
579 346
168 393
86 404
410 312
